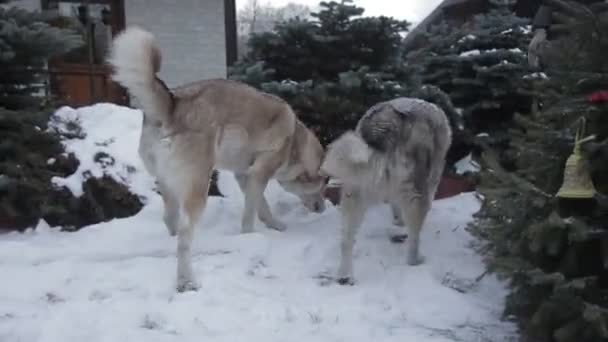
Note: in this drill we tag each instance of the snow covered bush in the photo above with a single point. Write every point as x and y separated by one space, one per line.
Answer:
33 156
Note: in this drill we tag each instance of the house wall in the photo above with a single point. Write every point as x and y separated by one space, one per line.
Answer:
190 33
30 5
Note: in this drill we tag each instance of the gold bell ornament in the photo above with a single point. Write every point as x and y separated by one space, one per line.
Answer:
577 181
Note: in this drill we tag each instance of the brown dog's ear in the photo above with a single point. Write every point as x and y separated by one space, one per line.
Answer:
310 150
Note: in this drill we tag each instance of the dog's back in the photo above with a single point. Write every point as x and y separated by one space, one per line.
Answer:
266 121
412 137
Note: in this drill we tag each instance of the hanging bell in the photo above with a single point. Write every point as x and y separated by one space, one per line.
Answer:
577 181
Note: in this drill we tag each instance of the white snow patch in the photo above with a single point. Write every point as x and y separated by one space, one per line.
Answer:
482 135
114 281
478 52
467 37
112 130
507 31
537 75
517 50
466 164
526 29
470 53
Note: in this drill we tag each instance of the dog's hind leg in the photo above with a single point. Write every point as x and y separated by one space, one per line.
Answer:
171 208
352 208
397 215
415 212
258 176
264 212
416 199
192 204
398 221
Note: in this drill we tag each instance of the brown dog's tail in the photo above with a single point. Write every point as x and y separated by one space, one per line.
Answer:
136 59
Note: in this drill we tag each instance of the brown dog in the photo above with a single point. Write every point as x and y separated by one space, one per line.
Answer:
214 124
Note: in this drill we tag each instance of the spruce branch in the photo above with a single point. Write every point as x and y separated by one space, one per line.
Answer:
491 159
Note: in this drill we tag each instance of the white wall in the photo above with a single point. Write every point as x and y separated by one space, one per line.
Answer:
30 5
190 34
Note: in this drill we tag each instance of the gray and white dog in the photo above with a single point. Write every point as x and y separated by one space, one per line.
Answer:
396 154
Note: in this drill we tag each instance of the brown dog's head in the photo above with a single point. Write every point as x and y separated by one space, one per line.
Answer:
306 158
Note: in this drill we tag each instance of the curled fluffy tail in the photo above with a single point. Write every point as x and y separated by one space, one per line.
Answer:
136 59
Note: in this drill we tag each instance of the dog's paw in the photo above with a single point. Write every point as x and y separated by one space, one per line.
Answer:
415 260
346 281
246 230
277 225
398 238
187 285
398 221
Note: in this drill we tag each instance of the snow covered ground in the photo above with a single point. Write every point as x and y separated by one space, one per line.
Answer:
115 281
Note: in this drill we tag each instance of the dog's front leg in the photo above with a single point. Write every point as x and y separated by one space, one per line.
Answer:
258 176
352 207
266 216
264 212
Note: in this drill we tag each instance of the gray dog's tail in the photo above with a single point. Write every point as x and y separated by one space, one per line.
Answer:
414 130
136 60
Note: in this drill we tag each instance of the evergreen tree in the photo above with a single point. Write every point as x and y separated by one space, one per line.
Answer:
300 49
554 250
27 41
333 68
481 65
27 193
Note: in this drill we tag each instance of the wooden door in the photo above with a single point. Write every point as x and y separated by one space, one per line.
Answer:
82 77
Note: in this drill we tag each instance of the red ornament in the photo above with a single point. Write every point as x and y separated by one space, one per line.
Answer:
599 96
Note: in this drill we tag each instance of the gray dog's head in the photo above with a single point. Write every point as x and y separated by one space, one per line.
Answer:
310 190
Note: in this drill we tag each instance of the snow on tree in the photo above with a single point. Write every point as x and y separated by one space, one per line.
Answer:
27 41
482 66
333 68
32 154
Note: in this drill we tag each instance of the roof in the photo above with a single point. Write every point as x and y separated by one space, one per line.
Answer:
525 8
430 19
